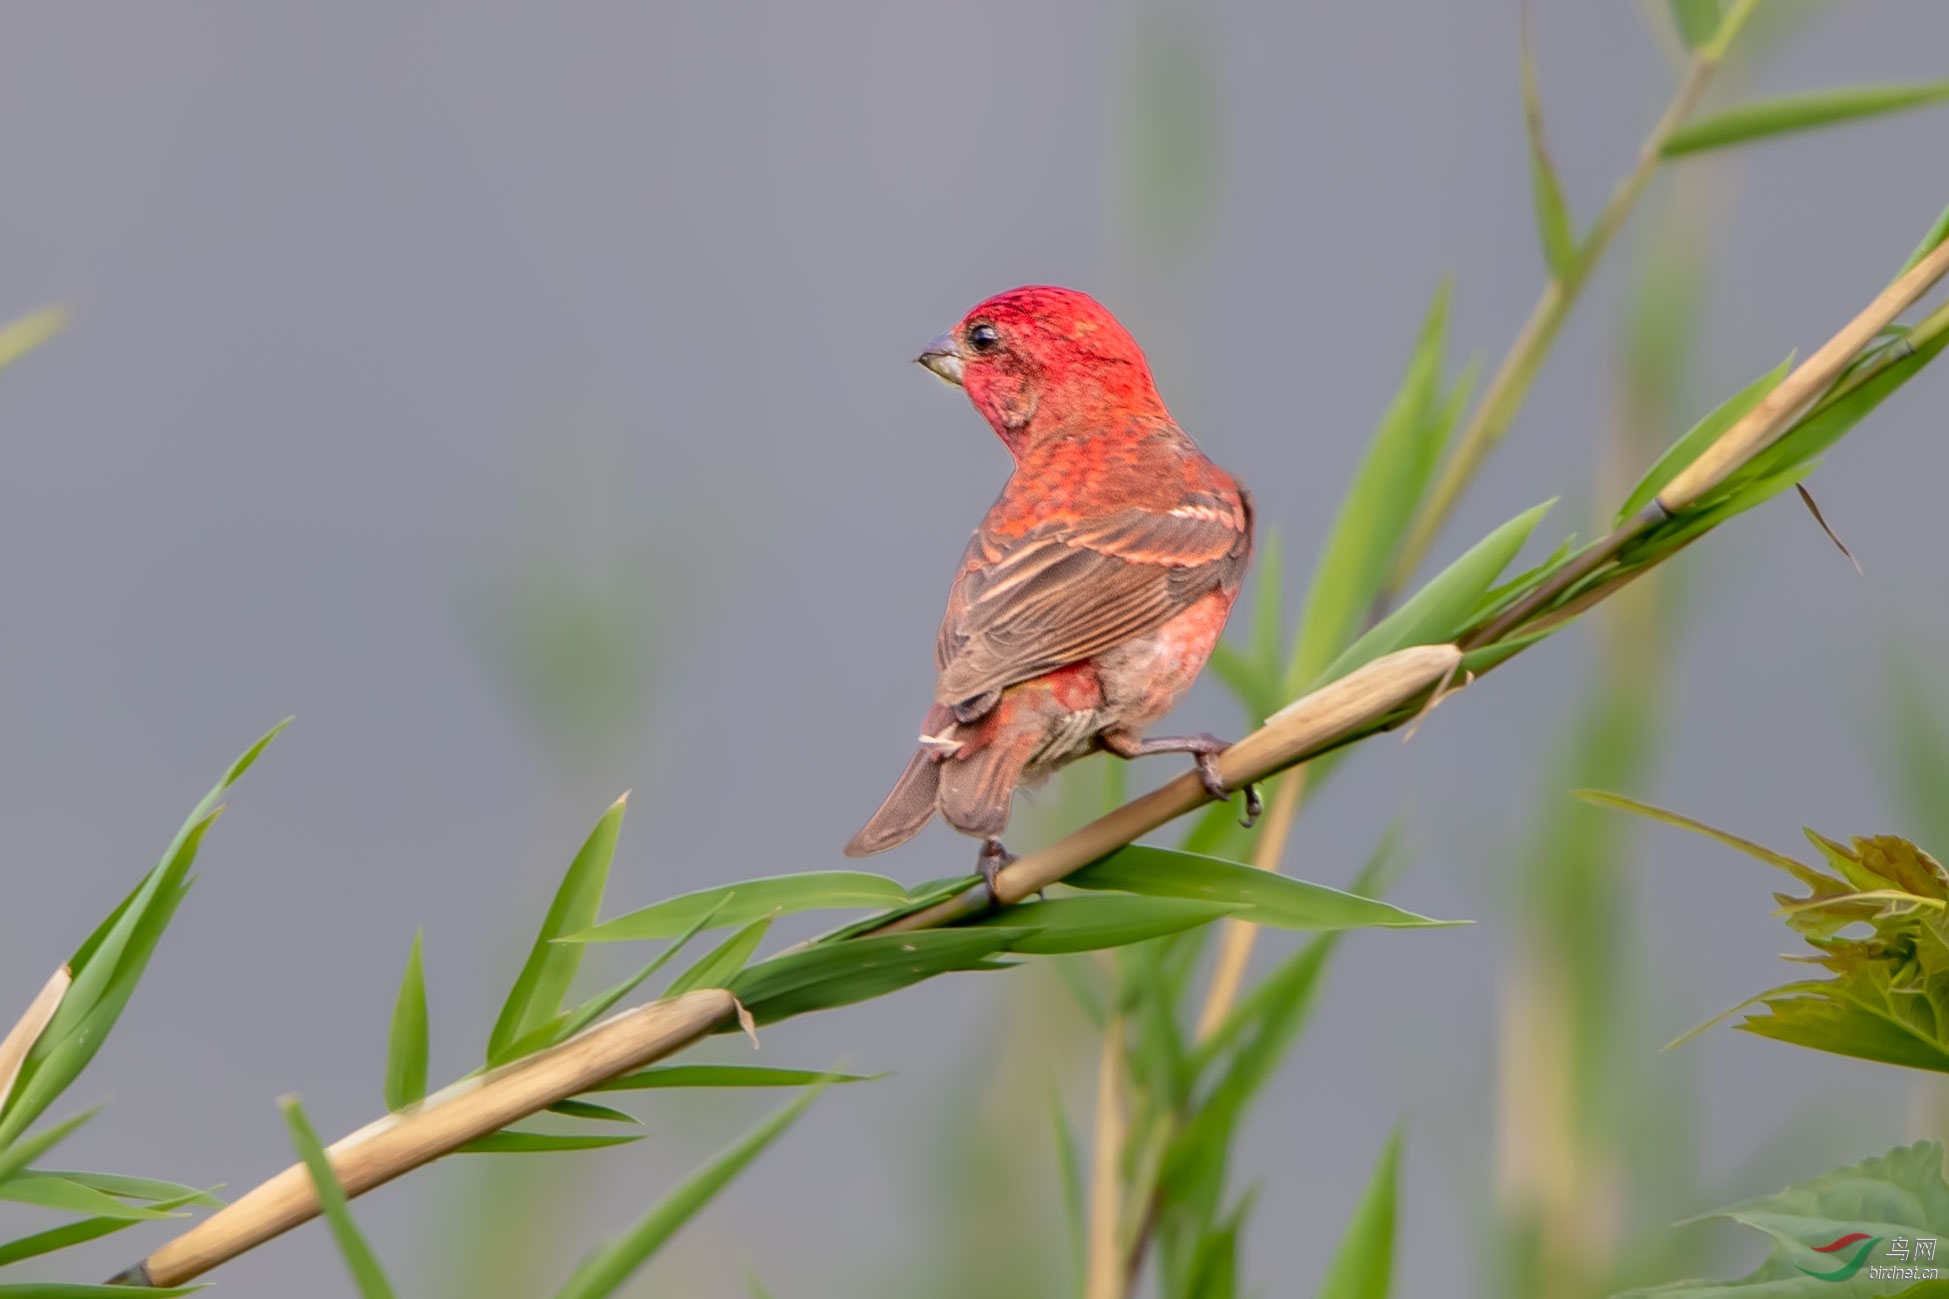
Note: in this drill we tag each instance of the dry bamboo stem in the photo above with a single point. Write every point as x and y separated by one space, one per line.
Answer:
1768 420
1103 1275
1310 725
401 1142
21 1038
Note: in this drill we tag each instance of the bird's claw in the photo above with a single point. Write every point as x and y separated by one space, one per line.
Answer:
1215 786
989 865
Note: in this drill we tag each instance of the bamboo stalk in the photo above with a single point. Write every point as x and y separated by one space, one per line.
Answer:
1511 383
1103 1278
1768 420
1311 725
469 1109
21 1038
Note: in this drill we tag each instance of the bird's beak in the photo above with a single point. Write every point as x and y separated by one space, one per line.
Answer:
943 357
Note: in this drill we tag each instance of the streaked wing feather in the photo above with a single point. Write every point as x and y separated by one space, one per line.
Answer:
1065 593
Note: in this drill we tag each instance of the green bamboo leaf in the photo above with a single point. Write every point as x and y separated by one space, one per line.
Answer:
592 1111
1937 233
1267 898
724 1075
1831 1234
1800 112
1377 510
68 1235
1806 874
1437 613
360 1261
756 1286
109 964
1089 924
48 1192
605 1271
513 1141
839 974
1701 435
15 1157
406 1045
721 965
137 1188
1697 21
1363 1263
1554 228
743 902
544 980
567 1025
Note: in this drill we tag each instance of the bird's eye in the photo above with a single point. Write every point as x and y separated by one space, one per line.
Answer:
983 338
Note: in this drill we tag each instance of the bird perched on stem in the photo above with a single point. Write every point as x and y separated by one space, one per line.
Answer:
1092 593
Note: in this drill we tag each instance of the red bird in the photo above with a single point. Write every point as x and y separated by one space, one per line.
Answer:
1095 588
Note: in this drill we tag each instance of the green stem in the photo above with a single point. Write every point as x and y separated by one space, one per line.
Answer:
1510 387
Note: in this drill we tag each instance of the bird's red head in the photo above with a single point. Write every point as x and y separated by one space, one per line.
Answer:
1042 357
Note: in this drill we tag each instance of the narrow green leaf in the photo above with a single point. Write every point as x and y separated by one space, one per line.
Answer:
1799 113
544 980
1697 21
49 1192
513 1141
721 965
724 1075
1089 924
110 962
1377 510
1554 228
1702 435
1759 852
756 1286
1937 233
137 1188
1436 613
839 974
743 902
1267 898
565 1026
1363 1263
605 1271
68 1235
15 1157
360 1261
406 1045
590 1110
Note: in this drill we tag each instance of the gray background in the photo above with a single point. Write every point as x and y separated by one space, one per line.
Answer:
353 283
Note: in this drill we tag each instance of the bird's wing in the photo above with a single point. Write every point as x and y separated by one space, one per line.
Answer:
1067 591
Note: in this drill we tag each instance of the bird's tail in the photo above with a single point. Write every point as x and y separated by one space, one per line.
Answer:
907 809
976 787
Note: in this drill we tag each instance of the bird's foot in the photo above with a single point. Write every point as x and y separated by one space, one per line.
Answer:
1204 748
989 865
